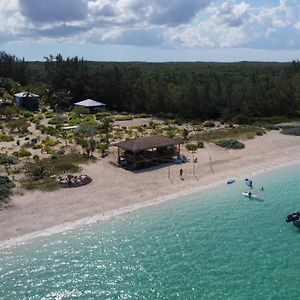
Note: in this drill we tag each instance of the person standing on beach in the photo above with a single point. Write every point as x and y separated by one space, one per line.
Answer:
180 173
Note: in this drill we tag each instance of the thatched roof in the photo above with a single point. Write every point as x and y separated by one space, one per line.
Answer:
147 142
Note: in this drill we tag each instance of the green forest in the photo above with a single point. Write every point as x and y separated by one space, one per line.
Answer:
187 90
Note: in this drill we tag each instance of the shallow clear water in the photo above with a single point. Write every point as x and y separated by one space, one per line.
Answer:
214 245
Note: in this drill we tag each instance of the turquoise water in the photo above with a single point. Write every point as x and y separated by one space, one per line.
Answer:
214 245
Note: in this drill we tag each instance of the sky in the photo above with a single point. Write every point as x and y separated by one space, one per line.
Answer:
152 30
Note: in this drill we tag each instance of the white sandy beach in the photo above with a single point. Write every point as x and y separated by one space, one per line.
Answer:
114 190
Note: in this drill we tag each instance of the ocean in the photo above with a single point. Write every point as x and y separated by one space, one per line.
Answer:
215 244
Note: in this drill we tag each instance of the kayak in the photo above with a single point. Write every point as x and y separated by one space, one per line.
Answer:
230 181
253 196
248 182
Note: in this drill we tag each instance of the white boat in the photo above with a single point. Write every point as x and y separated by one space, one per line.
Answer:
252 196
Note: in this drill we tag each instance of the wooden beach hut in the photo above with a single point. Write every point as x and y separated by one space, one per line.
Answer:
27 100
91 105
146 151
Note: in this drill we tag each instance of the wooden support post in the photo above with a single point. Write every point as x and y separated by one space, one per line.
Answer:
194 163
210 161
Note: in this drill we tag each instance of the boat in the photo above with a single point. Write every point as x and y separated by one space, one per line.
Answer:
248 182
296 223
230 181
294 217
252 196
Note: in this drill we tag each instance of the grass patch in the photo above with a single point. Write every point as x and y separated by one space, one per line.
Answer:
241 132
230 144
276 119
48 184
39 176
6 138
122 118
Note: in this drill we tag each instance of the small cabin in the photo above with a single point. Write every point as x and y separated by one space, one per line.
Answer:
91 105
27 100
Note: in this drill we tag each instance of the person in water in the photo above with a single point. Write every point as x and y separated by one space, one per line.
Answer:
250 183
262 188
249 194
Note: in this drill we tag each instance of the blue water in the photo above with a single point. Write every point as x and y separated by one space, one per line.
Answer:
214 245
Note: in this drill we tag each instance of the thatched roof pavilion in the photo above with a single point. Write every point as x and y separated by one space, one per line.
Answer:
149 150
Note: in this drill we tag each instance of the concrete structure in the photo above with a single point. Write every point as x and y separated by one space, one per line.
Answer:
27 100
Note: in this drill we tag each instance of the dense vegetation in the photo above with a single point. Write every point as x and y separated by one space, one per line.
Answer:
291 131
190 90
230 144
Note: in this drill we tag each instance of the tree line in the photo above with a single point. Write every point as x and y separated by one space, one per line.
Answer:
188 90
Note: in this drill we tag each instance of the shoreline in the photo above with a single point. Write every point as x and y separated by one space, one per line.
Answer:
115 190
107 215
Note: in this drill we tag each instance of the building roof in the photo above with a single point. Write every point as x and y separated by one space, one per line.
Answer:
89 103
26 95
147 142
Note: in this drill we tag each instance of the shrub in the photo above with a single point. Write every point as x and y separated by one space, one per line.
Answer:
123 118
74 121
230 144
291 131
24 153
30 145
241 120
184 133
191 147
49 114
209 124
5 187
5 159
28 114
48 130
86 129
5 137
103 148
81 111
259 133
57 120
103 114
143 115
36 120
89 120
50 143
170 133
20 124
38 172
200 144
